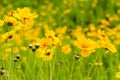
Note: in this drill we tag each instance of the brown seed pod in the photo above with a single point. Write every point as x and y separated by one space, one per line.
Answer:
17 56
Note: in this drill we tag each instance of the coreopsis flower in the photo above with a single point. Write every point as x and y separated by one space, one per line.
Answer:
104 22
44 43
8 35
40 52
4 56
105 42
117 75
47 54
25 16
66 49
10 13
119 66
10 21
67 11
16 50
23 48
56 41
49 34
1 22
86 45
77 32
24 59
60 31
21 26
92 27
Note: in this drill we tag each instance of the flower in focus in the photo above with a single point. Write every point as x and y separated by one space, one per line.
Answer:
87 46
25 16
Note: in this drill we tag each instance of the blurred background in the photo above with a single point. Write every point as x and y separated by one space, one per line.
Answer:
68 12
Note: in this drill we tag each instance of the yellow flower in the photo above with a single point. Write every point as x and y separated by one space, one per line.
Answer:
25 15
49 34
117 75
104 22
11 21
24 59
87 46
99 63
8 35
56 41
10 13
22 27
1 22
92 27
44 43
105 42
8 50
47 55
119 66
40 53
4 56
67 11
23 48
66 49
77 32
16 50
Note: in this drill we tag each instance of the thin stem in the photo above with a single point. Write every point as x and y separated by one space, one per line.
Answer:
72 68
39 70
49 71
93 62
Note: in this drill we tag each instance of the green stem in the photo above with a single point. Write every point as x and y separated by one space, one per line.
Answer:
72 68
94 62
49 71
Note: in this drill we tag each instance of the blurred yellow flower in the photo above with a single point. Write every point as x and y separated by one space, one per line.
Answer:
49 34
16 50
45 54
105 42
98 63
23 48
1 22
24 59
117 75
48 55
8 35
66 49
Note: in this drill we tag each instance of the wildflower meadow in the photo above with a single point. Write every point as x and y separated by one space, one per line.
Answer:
59 39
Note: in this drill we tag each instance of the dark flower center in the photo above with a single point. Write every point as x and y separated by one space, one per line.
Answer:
10 36
9 24
48 53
